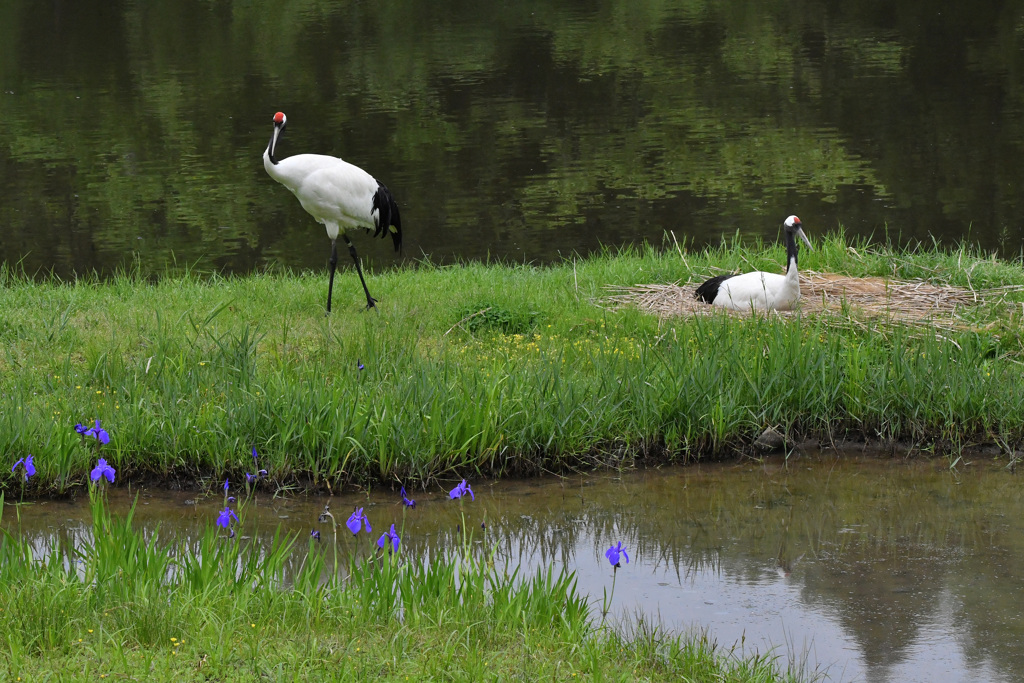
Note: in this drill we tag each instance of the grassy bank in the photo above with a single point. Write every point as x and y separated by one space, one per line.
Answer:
488 369
125 605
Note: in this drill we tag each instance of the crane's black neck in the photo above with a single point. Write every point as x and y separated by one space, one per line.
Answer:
791 250
270 149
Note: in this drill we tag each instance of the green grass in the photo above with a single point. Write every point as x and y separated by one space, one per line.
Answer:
123 606
481 369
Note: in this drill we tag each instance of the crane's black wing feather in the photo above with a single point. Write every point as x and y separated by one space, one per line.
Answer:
389 221
709 290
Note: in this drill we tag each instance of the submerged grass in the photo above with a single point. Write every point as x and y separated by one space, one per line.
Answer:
489 369
120 605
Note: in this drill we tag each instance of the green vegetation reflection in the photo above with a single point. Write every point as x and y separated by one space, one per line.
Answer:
526 130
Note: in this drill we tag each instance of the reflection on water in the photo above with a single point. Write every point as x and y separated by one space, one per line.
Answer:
514 130
878 570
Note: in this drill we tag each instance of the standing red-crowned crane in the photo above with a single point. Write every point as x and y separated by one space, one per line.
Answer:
337 194
758 290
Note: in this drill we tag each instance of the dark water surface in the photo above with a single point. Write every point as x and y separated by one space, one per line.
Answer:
869 568
134 130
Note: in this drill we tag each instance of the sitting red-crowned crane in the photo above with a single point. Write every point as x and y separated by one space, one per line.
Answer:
337 194
758 290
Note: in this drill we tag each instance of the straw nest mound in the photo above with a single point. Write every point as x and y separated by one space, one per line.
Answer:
838 297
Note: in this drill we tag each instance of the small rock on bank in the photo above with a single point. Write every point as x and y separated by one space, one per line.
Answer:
771 439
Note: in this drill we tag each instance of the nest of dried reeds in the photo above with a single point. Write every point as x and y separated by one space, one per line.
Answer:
840 297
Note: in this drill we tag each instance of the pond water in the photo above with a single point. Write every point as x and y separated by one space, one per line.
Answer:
133 131
866 568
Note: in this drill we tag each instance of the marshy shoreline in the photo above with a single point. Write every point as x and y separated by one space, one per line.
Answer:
208 483
492 370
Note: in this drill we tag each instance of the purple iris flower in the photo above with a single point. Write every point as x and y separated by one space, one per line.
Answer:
356 520
102 469
98 432
81 428
225 517
250 478
613 554
390 536
461 490
225 487
30 469
406 501
359 364
315 535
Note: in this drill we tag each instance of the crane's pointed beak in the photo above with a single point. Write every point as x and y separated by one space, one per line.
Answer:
799 233
273 141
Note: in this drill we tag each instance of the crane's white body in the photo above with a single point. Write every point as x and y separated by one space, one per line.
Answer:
331 190
760 291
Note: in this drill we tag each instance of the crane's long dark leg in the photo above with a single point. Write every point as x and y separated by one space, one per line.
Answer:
334 264
370 301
